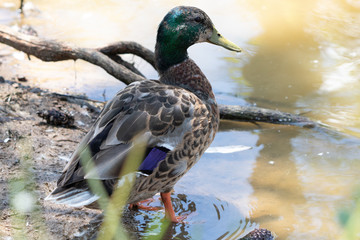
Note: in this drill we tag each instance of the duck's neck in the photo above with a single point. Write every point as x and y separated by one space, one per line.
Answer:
188 75
173 63
169 52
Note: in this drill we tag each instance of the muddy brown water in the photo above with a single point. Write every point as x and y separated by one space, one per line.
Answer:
304 57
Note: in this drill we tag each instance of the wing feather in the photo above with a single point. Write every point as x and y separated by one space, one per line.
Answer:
146 107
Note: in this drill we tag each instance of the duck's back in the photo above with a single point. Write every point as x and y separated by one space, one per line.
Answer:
175 123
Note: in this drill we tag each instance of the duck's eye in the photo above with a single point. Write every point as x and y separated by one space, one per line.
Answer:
198 19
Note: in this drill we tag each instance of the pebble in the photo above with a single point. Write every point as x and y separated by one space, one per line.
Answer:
22 79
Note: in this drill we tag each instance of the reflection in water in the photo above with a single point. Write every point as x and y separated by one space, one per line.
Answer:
336 27
308 60
328 167
301 179
281 71
276 182
207 218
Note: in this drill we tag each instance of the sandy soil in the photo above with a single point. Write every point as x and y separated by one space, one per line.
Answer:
35 152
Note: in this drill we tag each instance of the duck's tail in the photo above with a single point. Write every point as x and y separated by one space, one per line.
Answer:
72 196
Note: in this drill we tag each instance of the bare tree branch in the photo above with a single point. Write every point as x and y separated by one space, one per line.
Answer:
53 51
130 47
107 58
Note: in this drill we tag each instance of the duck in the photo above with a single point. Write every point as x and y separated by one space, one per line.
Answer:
174 119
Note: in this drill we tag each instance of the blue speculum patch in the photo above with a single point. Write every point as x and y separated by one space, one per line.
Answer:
152 159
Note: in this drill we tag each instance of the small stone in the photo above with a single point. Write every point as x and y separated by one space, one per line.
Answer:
56 118
22 79
2 79
259 234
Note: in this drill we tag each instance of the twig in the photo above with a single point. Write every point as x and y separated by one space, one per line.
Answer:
21 6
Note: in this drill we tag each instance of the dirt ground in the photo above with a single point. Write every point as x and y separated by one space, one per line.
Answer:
36 152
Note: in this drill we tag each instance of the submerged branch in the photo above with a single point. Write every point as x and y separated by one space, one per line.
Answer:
256 114
107 58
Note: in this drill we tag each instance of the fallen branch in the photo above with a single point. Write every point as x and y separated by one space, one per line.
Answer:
129 47
256 114
107 58
53 51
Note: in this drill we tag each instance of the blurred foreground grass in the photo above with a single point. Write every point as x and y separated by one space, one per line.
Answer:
27 214
26 209
349 218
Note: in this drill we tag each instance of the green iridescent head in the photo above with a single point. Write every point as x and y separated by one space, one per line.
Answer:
181 28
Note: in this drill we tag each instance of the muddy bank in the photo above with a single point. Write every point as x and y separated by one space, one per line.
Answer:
47 148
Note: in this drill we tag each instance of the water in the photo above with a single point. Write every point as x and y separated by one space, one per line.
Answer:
304 58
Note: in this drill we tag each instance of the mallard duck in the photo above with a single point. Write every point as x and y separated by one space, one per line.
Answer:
176 116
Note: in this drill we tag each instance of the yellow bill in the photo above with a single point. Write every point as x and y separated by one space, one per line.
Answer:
217 39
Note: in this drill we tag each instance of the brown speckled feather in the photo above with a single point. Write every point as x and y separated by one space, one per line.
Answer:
170 117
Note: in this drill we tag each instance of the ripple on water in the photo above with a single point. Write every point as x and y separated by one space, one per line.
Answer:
207 217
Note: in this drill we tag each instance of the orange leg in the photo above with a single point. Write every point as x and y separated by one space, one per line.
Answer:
169 210
141 205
